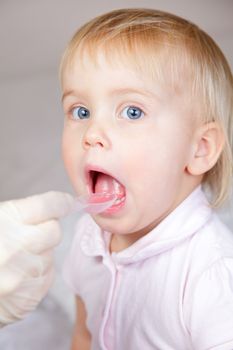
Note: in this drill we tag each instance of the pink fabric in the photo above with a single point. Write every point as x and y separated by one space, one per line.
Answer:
171 290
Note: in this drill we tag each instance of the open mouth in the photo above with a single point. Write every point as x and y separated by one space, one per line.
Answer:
103 183
93 176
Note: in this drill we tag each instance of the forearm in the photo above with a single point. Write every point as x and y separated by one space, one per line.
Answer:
79 342
81 337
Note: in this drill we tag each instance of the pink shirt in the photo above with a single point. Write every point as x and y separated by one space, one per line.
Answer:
171 290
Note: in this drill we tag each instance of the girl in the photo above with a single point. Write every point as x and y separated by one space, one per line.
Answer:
148 116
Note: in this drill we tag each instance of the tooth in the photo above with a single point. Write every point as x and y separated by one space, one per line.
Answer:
119 200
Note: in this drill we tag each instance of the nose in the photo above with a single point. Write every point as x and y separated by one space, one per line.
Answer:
95 136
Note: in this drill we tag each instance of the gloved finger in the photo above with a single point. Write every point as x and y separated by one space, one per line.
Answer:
39 208
47 281
43 237
38 286
11 282
32 239
25 269
40 266
25 299
41 284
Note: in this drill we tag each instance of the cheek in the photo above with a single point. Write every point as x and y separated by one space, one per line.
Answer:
72 157
154 161
66 150
138 163
69 155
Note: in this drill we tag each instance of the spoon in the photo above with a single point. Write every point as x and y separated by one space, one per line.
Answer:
94 203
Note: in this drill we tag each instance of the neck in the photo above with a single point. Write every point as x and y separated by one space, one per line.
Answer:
120 242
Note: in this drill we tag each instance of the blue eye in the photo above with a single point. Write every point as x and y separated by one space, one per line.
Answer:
80 113
132 112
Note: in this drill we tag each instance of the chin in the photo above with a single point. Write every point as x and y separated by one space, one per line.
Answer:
118 226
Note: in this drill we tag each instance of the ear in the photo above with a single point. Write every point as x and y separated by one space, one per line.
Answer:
208 143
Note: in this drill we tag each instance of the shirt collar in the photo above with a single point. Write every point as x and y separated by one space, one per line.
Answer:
180 224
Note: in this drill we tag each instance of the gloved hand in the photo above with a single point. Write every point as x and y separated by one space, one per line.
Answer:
29 231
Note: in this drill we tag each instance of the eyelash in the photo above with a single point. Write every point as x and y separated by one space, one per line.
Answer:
79 109
133 109
139 113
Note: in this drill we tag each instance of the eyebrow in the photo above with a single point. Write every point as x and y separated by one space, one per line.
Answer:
116 91
68 93
130 90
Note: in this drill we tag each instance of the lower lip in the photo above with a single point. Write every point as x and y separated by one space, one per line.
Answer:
115 207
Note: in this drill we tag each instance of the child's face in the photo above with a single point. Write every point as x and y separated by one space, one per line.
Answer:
136 130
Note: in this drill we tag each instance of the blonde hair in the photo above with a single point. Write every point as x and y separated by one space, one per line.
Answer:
168 47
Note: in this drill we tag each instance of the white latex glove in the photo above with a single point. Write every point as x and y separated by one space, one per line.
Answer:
29 231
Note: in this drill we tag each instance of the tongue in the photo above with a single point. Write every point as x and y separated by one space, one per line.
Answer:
107 184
